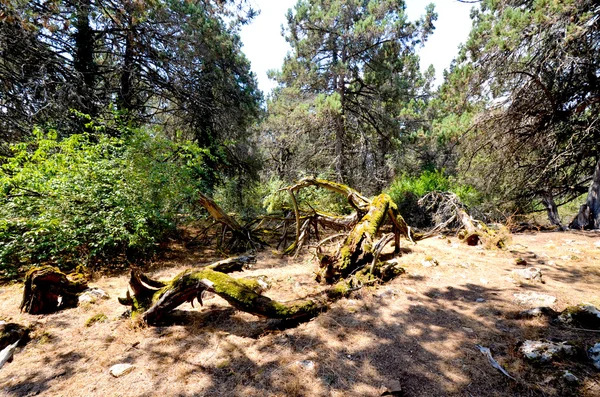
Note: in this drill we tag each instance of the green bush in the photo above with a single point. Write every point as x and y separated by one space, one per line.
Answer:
90 199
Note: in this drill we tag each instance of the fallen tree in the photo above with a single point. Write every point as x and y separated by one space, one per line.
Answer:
241 238
153 300
450 213
360 250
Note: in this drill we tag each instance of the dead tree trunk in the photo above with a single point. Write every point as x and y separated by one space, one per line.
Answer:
589 213
242 238
360 248
552 210
47 290
154 300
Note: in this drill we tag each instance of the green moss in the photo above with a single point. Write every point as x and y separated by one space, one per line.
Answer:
339 290
98 318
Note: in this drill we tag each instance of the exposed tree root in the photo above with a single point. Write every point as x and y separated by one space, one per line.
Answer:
241 239
154 300
47 290
451 213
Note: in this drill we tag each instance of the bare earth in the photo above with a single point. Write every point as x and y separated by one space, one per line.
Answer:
417 333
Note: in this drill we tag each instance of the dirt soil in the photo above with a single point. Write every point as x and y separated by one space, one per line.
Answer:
417 333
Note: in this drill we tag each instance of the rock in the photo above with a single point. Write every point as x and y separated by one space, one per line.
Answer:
430 263
387 293
597 244
306 364
534 299
393 388
479 300
91 295
584 315
544 351
483 281
119 370
569 377
538 312
468 330
531 273
594 355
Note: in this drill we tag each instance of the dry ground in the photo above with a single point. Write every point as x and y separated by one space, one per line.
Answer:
418 332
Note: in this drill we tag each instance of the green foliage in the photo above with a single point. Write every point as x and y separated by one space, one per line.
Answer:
532 69
90 199
349 88
308 198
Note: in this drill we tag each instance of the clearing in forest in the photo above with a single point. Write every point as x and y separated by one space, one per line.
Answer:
417 333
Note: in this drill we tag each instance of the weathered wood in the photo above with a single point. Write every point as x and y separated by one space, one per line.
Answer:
589 213
242 238
153 300
47 290
359 248
230 265
355 199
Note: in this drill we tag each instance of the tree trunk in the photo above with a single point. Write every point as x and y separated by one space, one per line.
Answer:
552 210
589 213
360 248
154 300
84 57
242 238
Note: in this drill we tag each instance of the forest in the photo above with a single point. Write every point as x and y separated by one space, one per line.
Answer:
167 228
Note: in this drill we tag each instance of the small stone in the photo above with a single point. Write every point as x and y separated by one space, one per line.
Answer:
430 263
594 355
569 377
483 281
544 351
119 370
468 330
531 273
306 364
91 295
534 299
537 312
521 262
479 300
597 244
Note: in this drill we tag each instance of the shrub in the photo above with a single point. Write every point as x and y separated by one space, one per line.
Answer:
91 199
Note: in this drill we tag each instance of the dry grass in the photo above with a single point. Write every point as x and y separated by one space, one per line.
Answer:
418 331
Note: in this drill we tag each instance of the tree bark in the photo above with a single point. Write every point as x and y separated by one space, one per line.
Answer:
47 290
589 213
360 248
242 237
154 300
552 211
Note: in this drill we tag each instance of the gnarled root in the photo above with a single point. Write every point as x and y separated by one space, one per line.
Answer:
154 299
47 290
359 249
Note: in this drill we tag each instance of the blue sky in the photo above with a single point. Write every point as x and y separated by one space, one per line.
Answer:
265 47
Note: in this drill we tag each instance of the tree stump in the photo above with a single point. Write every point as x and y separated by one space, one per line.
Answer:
47 290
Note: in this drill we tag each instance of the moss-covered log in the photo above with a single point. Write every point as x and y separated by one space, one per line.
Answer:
47 290
153 300
359 248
